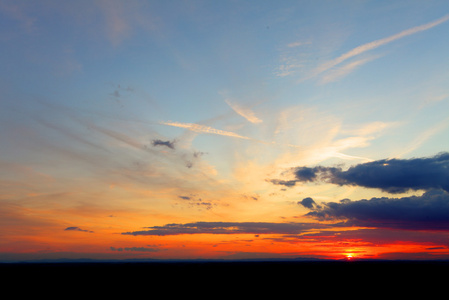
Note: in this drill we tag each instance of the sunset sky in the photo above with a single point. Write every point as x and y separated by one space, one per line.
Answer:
224 129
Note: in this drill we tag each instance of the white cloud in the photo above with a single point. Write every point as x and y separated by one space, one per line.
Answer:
204 129
244 112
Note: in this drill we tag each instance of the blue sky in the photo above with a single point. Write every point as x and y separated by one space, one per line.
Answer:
242 91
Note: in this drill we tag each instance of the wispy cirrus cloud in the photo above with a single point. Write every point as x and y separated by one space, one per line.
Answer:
337 68
424 136
375 44
334 75
204 129
245 112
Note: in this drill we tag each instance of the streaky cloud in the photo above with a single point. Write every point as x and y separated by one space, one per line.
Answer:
74 228
229 228
424 136
136 249
204 129
377 43
338 73
244 112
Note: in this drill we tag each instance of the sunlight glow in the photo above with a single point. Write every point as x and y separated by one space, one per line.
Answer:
349 256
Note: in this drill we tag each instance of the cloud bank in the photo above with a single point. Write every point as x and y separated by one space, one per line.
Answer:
427 212
389 175
228 228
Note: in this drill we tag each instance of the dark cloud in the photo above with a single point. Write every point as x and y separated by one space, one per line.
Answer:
229 228
119 88
193 201
306 174
309 203
77 229
136 249
251 197
427 212
437 248
192 158
197 154
390 175
288 183
169 144
201 204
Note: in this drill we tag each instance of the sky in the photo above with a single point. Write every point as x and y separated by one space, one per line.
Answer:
224 129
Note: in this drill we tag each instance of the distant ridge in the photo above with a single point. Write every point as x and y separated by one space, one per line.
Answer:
215 260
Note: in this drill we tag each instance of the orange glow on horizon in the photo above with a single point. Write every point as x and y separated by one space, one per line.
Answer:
213 246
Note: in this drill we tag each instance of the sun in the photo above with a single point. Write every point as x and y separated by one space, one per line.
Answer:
349 256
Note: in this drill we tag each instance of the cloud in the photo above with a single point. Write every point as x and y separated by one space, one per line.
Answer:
336 74
292 59
338 67
288 183
390 175
289 68
169 144
427 212
136 249
297 44
377 43
228 228
309 203
77 229
204 129
244 112
195 202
